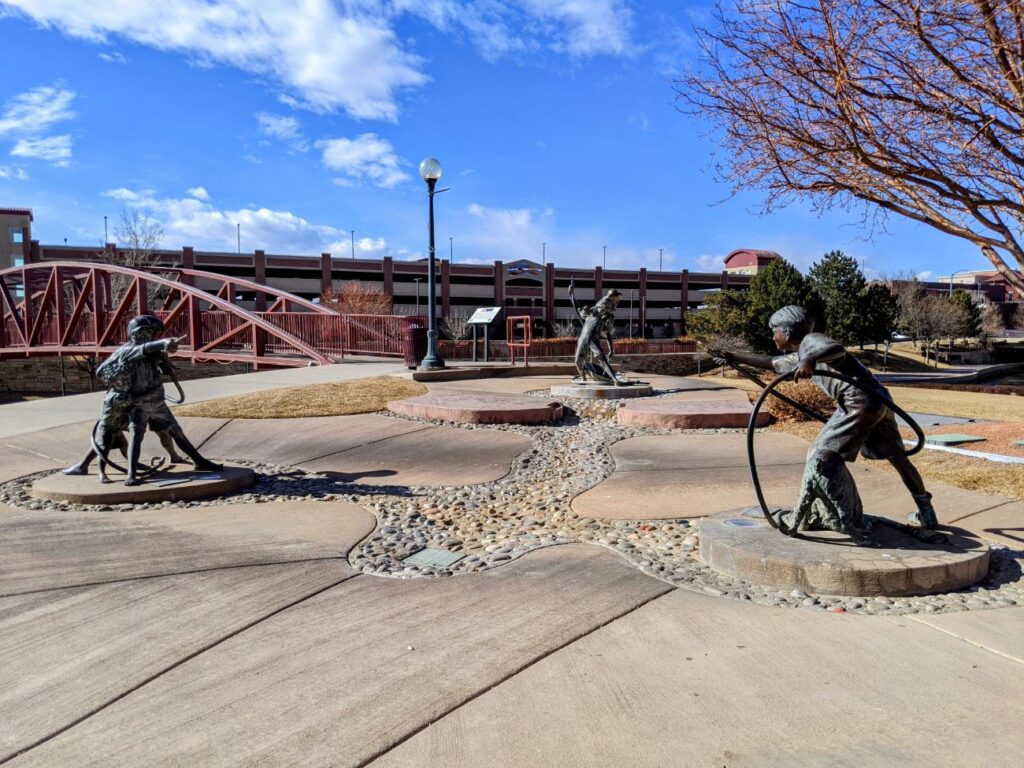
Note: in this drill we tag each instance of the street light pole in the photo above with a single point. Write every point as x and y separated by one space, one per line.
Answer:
353 233
950 293
451 249
604 257
661 252
106 237
430 171
238 235
543 254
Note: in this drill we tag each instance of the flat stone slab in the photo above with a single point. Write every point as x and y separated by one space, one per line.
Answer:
685 413
953 439
603 391
177 484
471 408
743 545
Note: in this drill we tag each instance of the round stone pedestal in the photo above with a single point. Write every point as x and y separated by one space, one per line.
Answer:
743 545
176 484
680 413
479 409
602 391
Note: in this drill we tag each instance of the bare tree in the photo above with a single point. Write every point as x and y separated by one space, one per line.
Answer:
356 298
455 325
137 235
912 108
1018 317
992 323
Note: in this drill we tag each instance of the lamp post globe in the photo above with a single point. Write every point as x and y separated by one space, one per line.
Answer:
430 171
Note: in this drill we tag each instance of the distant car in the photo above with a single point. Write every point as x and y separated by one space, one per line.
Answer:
900 337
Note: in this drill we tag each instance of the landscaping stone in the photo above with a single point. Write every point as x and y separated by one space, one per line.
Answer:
478 409
687 413
593 391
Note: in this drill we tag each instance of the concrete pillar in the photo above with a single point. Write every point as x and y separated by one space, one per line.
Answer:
549 294
388 268
259 263
446 289
325 273
642 313
188 261
725 280
33 252
598 282
499 284
684 299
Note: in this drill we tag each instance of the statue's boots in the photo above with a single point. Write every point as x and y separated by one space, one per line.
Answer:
925 514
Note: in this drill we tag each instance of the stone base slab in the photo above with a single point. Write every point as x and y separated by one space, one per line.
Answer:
743 545
671 413
177 484
471 408
603 391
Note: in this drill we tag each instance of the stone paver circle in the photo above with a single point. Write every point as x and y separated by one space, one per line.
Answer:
472 408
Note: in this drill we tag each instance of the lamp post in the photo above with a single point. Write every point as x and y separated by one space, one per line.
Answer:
417 280
543 254
430 171
604 257
959 271
238 235
352 232
451 249
661 252
106 237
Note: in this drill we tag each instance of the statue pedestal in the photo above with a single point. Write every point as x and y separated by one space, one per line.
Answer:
470 408
180 483
591 391
743 545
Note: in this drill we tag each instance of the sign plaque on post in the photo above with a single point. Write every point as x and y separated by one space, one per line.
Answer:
482 317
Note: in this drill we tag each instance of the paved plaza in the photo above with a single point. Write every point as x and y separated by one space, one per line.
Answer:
283 626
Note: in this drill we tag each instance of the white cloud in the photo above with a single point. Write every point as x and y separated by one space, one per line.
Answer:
284 128
34 111
364 158
587 27
199 193
324 57
199 223
113 58
16 174
503 233
53 149
924 276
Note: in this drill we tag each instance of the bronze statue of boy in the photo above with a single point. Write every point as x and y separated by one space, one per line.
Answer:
598 321
136 401
862 423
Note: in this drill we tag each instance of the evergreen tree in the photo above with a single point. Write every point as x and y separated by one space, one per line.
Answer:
972 315
879 309
777 285
839 283
724 314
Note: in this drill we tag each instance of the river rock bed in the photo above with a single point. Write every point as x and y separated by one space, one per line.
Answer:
493 523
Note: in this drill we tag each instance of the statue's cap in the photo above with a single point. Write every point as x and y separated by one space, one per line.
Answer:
145 321
793 319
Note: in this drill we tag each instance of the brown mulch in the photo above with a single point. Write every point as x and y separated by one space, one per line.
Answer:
341 398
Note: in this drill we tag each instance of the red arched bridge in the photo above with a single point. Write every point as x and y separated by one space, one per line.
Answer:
83 309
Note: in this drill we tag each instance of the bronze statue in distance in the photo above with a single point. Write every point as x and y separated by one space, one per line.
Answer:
862 424
135 402
591 359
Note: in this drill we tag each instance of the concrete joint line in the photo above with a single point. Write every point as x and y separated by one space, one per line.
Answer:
170 667
339 558
210 436
979 511
620 468
29 450
419 729
967 640
363 445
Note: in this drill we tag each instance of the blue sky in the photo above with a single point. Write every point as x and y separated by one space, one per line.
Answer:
554 120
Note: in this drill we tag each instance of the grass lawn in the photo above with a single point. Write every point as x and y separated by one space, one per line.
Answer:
340 398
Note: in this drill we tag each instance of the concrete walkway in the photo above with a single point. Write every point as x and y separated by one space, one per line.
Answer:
237 634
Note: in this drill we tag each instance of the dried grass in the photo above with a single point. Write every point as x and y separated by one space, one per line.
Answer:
341 398
965 472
